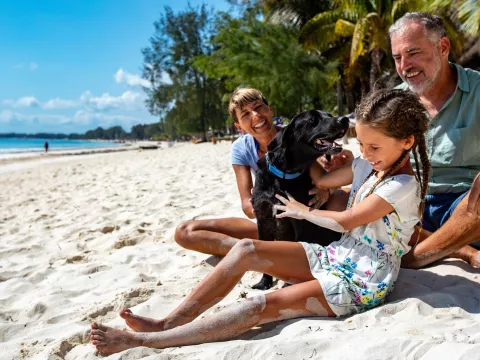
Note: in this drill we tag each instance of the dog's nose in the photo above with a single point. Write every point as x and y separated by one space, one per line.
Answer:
344 121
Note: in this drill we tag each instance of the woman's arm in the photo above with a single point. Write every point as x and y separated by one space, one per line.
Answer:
245 186
368 210
334 179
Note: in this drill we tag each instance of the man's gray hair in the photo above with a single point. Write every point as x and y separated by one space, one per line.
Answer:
432 24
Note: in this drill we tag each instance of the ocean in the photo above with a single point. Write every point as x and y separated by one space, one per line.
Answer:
20 145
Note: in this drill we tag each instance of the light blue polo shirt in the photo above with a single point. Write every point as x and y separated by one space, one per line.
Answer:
453 136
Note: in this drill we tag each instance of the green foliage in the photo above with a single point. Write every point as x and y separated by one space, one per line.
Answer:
255 53
183 95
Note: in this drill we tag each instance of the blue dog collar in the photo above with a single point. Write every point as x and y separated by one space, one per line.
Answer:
279 173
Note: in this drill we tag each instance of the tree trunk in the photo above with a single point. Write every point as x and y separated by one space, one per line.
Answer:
340 93
376 56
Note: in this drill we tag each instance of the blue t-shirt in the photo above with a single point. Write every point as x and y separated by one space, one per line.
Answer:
244 152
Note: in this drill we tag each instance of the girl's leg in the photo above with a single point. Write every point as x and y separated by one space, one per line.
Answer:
300 300
284 260
281 259
214 236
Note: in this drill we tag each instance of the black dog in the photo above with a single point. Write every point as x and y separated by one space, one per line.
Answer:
285 168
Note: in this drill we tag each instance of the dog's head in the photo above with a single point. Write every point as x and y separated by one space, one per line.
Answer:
308 136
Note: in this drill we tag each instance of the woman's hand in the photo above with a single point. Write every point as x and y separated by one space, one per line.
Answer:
291 207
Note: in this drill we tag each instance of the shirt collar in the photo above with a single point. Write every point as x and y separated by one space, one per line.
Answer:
462 81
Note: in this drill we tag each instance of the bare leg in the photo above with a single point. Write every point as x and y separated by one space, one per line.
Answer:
338 201
460 230
300 300
468 254
284 260
215 236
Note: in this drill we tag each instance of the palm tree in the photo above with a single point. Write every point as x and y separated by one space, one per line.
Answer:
360 29
463 15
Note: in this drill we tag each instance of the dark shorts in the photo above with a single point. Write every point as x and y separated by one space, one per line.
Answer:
439 208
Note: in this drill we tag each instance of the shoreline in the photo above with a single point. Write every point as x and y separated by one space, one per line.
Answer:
22 160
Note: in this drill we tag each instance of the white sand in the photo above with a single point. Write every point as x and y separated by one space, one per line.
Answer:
83 238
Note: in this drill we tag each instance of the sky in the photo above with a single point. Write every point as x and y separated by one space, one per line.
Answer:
70 66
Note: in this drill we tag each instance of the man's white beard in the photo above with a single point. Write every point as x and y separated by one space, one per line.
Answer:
427 84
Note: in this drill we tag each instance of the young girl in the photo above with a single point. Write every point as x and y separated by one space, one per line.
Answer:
349 276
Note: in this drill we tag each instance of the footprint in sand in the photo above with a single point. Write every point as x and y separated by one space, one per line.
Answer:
102 311
94 269
76 258
109 228
67 345
125 240
37 311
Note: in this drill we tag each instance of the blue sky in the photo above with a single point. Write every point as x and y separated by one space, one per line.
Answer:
70 66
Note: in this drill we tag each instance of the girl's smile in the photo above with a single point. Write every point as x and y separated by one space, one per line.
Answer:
379 150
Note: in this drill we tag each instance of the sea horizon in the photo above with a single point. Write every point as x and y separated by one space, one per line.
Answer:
21 145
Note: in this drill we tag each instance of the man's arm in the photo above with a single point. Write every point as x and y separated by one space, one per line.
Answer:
245 186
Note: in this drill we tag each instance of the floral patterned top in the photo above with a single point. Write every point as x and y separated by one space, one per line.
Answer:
359 270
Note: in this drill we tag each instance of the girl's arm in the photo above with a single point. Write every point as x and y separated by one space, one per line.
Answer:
245 186
334 179
368 210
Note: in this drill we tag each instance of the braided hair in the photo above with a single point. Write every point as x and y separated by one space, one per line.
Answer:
398 114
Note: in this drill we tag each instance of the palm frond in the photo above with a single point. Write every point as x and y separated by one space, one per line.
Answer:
469 15
344 28
319 32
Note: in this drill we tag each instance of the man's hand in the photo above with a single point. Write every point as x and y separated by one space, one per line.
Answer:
320 197
336 161
473 205
291 207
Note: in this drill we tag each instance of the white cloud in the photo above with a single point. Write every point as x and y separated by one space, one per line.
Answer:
33 66
58 103
24 102
82 118
50 119
129 100
123 77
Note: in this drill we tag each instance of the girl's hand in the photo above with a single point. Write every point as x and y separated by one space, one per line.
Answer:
291 207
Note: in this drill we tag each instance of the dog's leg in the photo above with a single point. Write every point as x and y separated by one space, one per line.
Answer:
266 232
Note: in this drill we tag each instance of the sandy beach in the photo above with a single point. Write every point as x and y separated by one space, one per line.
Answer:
84 237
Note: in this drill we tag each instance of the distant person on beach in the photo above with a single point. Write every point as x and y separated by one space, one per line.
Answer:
253 115
46 146
451 96
349 276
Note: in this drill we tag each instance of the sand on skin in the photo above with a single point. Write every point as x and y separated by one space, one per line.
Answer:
83 238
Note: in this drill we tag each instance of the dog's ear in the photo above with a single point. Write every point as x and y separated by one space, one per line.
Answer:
284 137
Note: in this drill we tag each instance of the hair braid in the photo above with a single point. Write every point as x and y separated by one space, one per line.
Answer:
422 150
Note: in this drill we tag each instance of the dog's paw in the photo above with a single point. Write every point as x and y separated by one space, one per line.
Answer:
264 284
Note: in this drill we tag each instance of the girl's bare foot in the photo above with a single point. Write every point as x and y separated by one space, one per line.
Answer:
140 323
108 340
